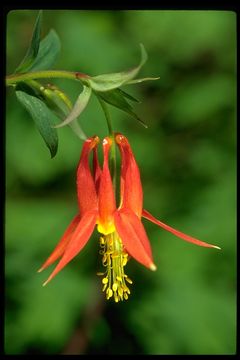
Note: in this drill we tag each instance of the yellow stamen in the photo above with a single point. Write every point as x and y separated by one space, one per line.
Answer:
116 297
115 286
104 287
114 258
109 293
102 241
120 293
128 280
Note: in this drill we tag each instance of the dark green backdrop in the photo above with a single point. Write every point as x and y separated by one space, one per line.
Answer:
188 167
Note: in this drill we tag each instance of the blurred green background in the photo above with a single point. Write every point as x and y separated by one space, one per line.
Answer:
187 159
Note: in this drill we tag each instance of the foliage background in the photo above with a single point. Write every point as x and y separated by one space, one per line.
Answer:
188 167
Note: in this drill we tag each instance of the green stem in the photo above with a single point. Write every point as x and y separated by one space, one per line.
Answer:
15 78
113 166
107 116
35 85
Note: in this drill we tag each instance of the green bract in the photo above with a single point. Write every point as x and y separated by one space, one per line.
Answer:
78 107
116 98
108 82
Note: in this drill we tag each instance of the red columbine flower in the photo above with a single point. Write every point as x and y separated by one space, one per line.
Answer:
122 231
82 225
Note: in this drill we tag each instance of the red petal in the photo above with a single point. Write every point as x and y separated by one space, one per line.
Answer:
87 197
106 198
78 240
181 235
97 171
134 237
61 246
131 187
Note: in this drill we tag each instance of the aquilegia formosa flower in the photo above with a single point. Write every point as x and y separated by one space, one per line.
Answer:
121 229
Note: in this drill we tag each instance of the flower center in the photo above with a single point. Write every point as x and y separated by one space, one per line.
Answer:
114 258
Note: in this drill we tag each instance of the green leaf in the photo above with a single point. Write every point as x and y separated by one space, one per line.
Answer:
48 51
136 81
116 98
43 119
78 107
55 99
61 104
128 96
108 82
33 48
74 125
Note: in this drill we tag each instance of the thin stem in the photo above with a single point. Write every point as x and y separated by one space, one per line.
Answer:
113 166
107 116
35 85
15 78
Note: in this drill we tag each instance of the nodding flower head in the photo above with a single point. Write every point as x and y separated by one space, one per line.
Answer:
122 234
